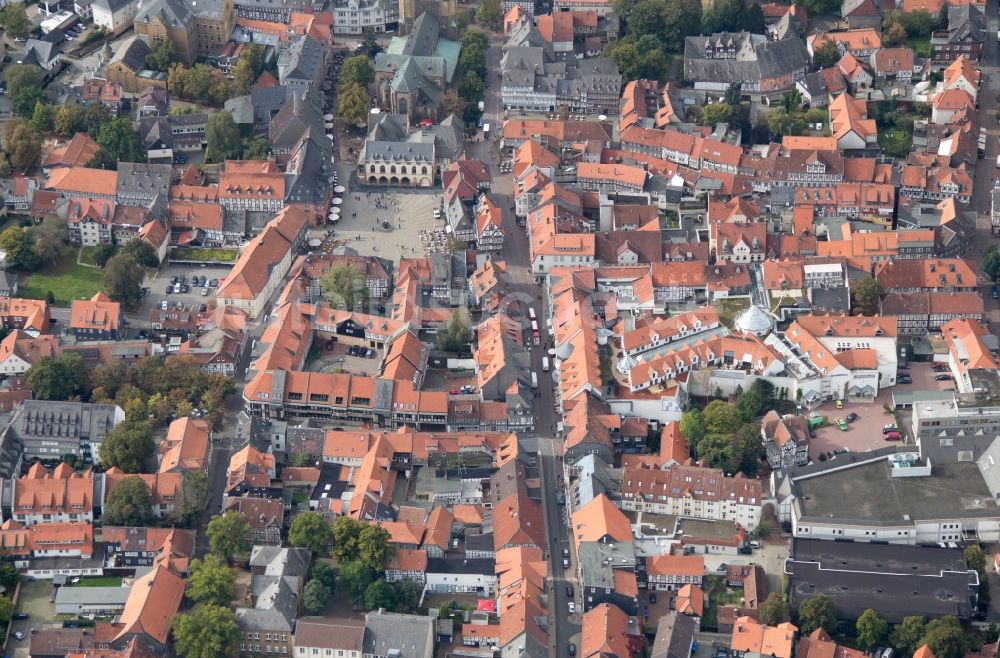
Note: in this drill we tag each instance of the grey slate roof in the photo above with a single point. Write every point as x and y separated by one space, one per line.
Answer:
132 54
410 634
423 37
39 52
278 561
302 62
144 179
176 13
674 636
111 5
966 21
755 57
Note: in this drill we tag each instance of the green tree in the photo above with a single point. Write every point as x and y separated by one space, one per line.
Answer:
128 504
906 636
369 45
43 118
6 609
9 575
374 549
721 418
991 262
93 117
61 378
16 241
490 12
353 104
407 596
345 539
472 88
747 450
774 610
210 580
472 60
161 55
312 531
626 57
458 336
946 638
693 428
48 239
22 143
716 113
14 19
227 534
871 629
103 252
380 594
21 76
780 122
63 122
122 280
208 631
975 558
128 445
866 293
826 55
356 71
119 142
325 574
223 138
243 76
817 612
196 491
344 286
355 578
256 149
316 597
24 102
141 252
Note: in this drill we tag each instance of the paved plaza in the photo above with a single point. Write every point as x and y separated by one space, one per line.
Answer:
386 222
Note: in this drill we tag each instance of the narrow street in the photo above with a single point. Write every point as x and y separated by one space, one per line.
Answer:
562 629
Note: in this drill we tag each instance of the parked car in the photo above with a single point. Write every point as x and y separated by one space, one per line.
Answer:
840 404
943 377
890 428
903 366
21 616
892 436
571 648
939 366
18 635
842 424
164 305
204 292
569 591
904 379
652 598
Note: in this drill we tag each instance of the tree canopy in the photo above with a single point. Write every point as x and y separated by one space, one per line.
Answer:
128 445
312 531
316 597
817 612
344 286
871 629
353 104
866 293
60 378
774 610
22 143
458 336
210 580
123 279
227 534
14 19
128 504
356 70
208 631
119 142
223 138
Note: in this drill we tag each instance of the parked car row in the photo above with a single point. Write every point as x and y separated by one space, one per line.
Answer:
363 352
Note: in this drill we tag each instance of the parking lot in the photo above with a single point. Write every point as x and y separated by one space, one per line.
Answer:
158 282
33 601
864 433
923 380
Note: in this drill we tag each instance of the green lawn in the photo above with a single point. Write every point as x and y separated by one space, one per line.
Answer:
88 255
921 45
203 254
98 581
66 280
729 308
